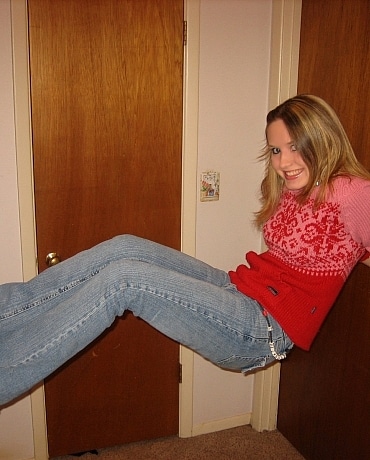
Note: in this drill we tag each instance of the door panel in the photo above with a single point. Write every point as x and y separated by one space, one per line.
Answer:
106 94
324 403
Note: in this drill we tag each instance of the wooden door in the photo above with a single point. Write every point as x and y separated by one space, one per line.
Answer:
324 403
106 83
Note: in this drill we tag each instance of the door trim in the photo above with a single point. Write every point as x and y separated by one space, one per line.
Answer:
284 57
189 190
23 140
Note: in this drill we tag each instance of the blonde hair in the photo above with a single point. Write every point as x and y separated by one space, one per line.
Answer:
319 136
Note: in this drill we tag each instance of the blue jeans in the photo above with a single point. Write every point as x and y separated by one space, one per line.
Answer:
47 320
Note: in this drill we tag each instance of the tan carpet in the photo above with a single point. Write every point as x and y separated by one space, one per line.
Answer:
237 443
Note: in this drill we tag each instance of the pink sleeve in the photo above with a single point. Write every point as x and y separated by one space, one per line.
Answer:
356 212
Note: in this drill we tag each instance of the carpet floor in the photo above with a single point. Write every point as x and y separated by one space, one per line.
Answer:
236 443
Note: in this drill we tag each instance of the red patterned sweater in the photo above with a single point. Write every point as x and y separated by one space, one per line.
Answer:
310 255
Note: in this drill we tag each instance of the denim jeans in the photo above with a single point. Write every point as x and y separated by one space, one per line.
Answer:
47 320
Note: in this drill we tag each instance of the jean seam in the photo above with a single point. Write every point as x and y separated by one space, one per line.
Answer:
200 310
51 296
56 340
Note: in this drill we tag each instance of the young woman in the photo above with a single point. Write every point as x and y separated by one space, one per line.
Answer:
315 217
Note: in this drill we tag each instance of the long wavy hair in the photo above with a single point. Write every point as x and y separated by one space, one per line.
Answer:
319 136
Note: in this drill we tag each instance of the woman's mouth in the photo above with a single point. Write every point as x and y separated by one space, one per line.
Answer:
291 175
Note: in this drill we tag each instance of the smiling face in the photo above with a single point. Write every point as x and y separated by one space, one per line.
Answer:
286 160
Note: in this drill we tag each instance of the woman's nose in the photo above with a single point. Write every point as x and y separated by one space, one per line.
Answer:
286 158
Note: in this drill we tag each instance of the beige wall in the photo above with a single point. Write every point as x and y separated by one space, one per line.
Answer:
233 91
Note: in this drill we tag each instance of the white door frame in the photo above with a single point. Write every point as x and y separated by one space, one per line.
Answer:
285 36
283 83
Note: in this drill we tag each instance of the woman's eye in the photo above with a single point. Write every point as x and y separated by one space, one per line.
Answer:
275 150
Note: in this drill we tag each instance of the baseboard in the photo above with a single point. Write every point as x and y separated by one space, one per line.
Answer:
224 424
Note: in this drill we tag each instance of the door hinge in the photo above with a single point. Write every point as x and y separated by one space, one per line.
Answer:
185 33
180 373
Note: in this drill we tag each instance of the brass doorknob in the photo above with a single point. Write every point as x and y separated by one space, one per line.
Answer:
52 259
